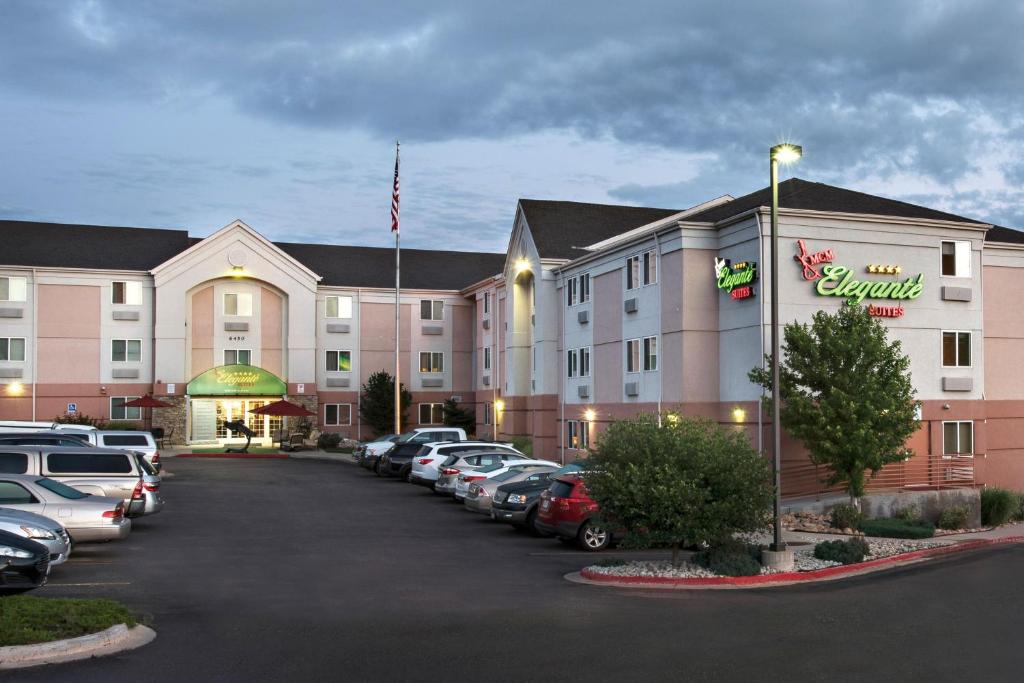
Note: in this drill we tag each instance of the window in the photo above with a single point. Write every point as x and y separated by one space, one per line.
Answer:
118 440
650 354
339 361
633 355
577 290
125 350
13 463
237 357
83 463
431 413
118 411
129 293
577 434
337 414
238 304
339 306
12 349
487 303
585 361
13 288
641 270
578 362
956 259
15 494
487 358
487 413
570 292
431 361
956 349
584 288
431 309
958 438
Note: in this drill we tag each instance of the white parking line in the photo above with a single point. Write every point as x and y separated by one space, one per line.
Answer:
98 583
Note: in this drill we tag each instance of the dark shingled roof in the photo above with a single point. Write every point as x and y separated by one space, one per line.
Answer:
802 194
375 266
997 233
57 245
61 245
558 227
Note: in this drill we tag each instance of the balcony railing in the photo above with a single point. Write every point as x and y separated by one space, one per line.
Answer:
921 472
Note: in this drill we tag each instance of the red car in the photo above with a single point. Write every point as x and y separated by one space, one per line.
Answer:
567 511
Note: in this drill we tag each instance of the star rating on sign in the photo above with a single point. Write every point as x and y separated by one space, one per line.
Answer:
884 269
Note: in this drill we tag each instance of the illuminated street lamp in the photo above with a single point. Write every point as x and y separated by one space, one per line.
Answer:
786 154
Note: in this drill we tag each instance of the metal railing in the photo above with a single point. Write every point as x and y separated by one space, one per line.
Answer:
921 472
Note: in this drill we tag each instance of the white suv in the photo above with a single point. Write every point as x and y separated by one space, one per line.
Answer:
426 463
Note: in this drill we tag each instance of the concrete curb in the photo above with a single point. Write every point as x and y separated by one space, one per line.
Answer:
785 578
115 639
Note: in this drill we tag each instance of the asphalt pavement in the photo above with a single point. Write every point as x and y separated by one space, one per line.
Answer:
299 570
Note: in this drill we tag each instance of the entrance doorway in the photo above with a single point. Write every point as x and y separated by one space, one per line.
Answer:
209 416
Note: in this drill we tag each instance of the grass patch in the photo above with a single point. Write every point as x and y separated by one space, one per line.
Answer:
897 528
25 619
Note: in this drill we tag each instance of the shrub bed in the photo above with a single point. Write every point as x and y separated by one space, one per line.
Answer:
845 516
998 506
732 558
850 551
954 517
897 528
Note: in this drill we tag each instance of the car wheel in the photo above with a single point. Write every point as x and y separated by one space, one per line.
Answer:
376 468
593 538
407 476
531 523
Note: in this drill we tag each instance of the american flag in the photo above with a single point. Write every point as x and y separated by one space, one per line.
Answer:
394 196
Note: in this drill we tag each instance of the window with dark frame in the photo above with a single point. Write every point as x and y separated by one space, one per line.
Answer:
956 349
431 413
339 361
12 349
337 414
431 309
431 361
958 438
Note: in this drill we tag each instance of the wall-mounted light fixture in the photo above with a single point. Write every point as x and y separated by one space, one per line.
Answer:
738 414
589 415
15 389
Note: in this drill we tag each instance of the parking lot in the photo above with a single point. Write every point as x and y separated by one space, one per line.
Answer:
308 570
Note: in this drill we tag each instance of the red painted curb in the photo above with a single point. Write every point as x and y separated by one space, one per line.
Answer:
256 456
799 577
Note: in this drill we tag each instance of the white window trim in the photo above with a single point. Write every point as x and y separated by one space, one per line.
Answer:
487 303
970 258
24 348
970 346
958 423
580 429
487 358
640 357
339 352
236 356
488 412
126 284
125 350
431 364
110 406
419 413
20 278
338 424
432 318
339 297
657 354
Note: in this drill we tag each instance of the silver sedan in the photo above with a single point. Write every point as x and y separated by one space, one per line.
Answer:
85 516
480 493
40 529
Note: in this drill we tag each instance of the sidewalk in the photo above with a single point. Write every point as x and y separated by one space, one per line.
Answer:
176 451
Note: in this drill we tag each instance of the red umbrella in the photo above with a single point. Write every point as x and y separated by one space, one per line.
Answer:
282 409
147 401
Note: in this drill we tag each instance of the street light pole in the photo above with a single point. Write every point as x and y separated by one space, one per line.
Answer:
784 153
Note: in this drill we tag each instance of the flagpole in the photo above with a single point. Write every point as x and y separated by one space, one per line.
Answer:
398 306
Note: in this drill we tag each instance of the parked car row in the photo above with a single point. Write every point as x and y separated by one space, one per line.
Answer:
493 479
59 488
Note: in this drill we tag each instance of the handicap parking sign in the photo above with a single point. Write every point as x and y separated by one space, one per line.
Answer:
72 408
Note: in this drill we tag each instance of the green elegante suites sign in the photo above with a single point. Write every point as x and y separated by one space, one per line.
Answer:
236 380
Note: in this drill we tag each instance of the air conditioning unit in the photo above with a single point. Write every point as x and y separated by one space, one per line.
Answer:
457 399
487 380
486 323
632 388
583 317
583 391
630 305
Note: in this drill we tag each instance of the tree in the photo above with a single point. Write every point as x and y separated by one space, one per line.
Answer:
686 481
846 393
456 416
377 402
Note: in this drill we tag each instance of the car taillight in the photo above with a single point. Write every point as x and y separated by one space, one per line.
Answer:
426 461
156 457
449 471
472 478
115 514
151 487
137 493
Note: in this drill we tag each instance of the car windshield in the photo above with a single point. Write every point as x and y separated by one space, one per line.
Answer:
145 466
505 476
408 436
450 460
492 468
568 469
560 489
60 489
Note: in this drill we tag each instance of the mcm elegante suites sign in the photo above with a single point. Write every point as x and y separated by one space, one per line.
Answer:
831 279
736 278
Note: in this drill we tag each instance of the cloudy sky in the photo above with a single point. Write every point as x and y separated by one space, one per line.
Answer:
191 113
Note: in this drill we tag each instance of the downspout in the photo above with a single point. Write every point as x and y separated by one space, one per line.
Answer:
760 333
562 373
35 338
661 279
494 364
359 355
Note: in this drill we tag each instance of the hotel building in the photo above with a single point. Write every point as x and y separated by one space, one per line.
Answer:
595 312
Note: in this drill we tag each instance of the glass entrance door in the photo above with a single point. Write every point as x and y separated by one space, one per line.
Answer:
264 427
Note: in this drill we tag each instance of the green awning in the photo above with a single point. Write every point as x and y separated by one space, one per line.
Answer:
236 380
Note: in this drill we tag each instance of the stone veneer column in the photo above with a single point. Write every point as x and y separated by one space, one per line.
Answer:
311 403
172 418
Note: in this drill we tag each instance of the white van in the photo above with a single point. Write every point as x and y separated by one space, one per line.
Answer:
7 426
126 440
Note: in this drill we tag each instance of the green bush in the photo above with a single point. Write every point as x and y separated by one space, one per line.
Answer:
523 444
121 426
77 419
897 528
998 506
845 516
730 558
329 440
911 513
954 517
1018 515
850 551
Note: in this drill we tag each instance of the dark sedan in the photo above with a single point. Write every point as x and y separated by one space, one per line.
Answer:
24 564
516 503
397 461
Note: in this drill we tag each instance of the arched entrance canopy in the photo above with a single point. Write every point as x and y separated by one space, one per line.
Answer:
236 380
